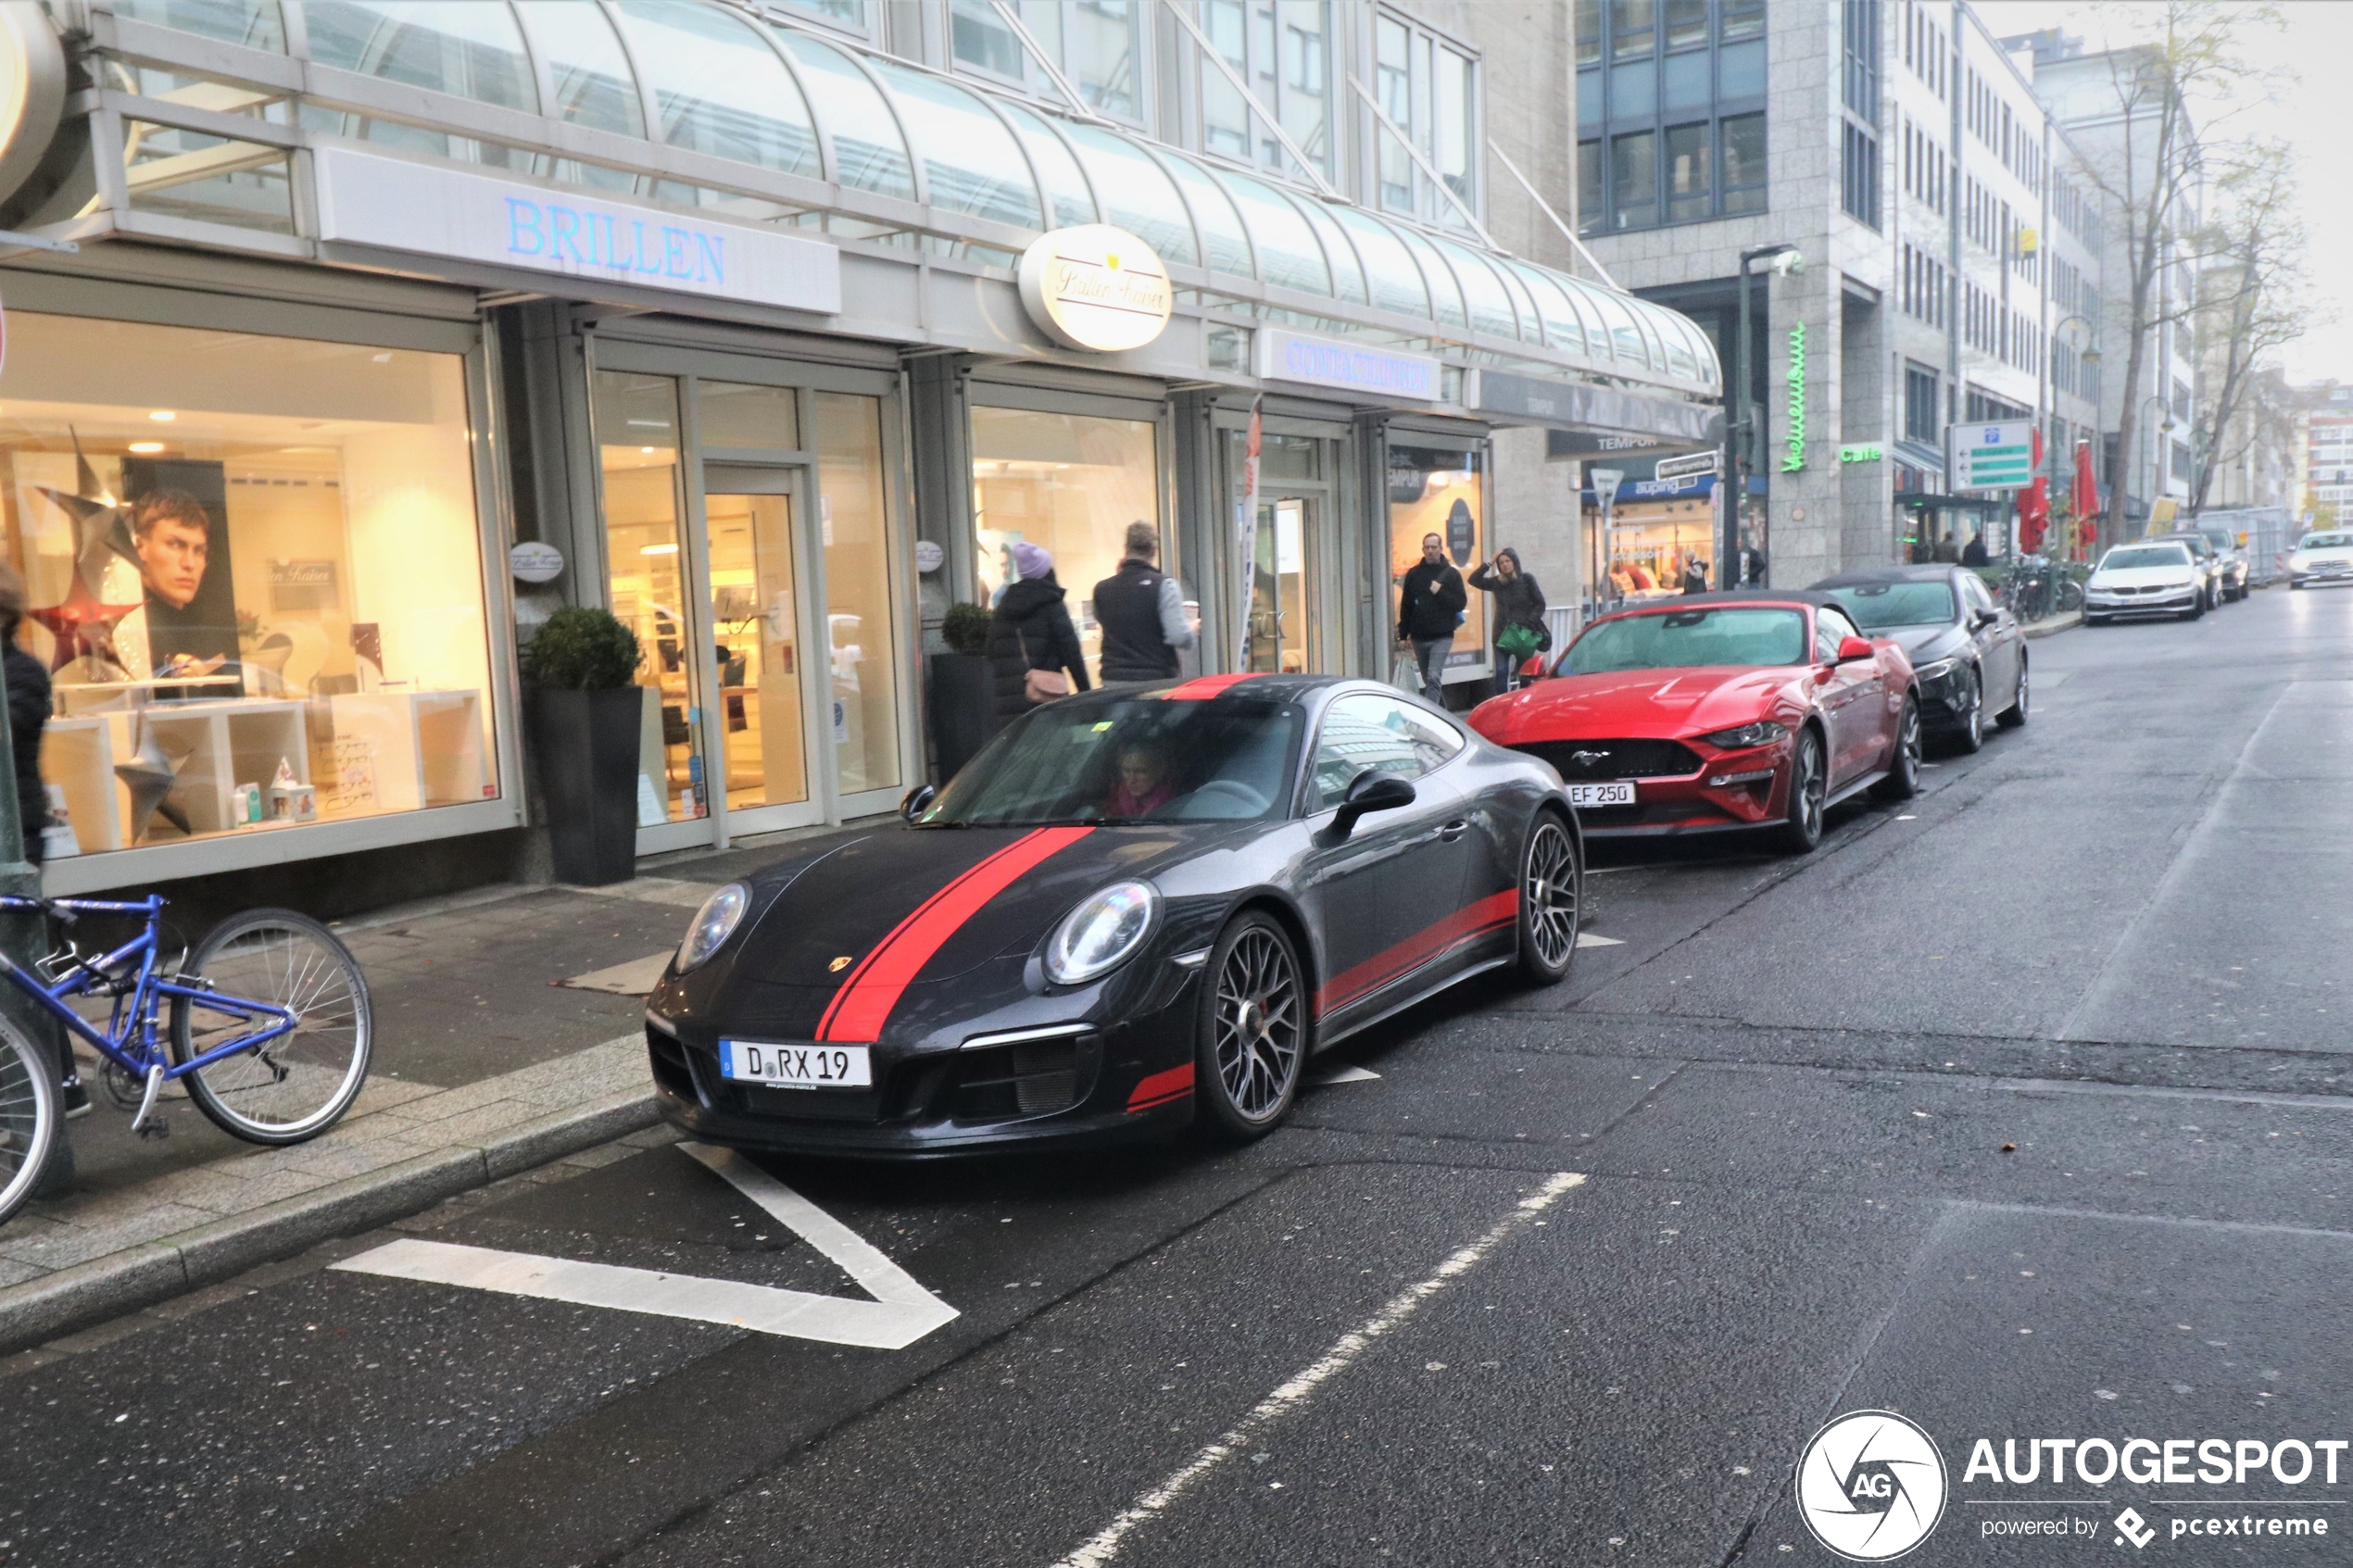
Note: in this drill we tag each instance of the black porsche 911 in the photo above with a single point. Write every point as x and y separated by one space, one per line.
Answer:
1136 910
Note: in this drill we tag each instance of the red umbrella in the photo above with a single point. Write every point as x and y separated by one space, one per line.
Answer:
2087 494
2033 514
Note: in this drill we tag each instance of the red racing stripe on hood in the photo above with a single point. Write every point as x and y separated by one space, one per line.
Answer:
859 1008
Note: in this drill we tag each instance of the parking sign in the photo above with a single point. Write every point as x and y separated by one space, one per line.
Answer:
1993 457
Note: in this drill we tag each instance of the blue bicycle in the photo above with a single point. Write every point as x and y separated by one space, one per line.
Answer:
266 1021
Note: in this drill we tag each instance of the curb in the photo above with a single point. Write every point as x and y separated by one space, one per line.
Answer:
140 1277
2056 623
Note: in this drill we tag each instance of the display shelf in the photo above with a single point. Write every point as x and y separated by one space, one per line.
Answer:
399 751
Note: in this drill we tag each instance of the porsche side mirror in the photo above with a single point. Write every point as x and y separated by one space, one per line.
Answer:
1371 791
1852 648
918 800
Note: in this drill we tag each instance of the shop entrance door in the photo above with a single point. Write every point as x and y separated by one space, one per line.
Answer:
760 675
1285 602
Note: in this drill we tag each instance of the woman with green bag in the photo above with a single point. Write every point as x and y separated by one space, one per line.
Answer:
1519 615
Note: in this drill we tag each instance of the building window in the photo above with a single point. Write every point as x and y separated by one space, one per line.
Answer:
2184 471
1429 88
1096 44
1688 73
1861 175
1922 420
1589 188
290 618
1861 75
1283 49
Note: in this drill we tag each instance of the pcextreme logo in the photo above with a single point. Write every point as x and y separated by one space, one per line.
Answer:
1870 1485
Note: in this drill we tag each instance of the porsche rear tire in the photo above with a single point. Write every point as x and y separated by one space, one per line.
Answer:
1808 794
1254 1033
1551 903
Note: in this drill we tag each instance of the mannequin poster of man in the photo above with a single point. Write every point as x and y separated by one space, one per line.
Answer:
186 623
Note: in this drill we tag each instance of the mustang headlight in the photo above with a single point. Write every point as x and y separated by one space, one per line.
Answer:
713 924
1762 732
1102 933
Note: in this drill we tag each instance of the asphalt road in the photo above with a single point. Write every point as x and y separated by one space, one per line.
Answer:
2023 1109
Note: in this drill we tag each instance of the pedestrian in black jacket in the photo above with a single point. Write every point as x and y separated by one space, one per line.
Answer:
1032 631
1429 606
1141 613
1518 602
28 683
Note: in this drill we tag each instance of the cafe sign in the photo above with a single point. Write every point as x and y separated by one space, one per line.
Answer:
1097 287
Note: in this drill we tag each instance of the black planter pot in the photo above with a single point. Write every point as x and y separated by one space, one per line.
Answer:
962 709
586 746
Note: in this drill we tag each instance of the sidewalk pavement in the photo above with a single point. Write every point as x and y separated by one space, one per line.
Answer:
487 1008
2051 623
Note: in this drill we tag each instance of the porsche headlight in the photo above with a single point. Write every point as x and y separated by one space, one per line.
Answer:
1102 933
1764 732
713 924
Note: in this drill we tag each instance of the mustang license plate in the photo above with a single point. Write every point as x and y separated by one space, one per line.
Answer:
796 1067
1618 794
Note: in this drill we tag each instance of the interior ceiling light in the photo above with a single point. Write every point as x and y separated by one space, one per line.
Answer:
163 416
144 447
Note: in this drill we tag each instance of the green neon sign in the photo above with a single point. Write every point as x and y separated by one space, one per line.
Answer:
1795 458
1867 452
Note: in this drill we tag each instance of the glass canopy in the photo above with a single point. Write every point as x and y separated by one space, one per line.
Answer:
714 78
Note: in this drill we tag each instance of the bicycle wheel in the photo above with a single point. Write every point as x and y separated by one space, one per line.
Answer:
30 1112
293 1086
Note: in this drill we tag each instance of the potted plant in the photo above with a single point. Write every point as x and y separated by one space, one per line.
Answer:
963 714
587 714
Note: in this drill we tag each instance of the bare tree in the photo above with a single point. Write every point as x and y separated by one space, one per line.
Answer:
2253 297
2189 67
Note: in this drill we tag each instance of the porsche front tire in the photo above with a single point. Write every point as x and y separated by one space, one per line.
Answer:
1255 1031
1552 887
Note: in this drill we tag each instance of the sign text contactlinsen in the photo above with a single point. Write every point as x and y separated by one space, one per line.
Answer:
594 239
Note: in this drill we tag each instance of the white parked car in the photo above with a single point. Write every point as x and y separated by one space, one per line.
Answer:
2155 577
2320 557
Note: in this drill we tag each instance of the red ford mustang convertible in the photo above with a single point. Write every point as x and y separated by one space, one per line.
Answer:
1716 713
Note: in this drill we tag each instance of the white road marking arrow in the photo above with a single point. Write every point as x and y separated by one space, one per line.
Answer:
901 1311
1587 939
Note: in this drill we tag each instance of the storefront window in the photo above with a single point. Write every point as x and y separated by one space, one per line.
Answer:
254 568
638 445
858 586
1072 483
1653 542
1437 490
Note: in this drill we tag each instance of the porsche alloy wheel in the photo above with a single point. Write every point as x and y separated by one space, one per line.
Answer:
1551 880
1903 779
1808 793
1254 1030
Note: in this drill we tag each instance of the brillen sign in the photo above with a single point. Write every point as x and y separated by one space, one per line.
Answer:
1094 286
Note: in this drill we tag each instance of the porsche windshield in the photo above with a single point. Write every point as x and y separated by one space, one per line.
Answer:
1678 639
1877 605
1132 759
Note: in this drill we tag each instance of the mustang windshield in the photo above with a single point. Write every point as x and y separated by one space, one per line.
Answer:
1138 760
1877 605
1678 639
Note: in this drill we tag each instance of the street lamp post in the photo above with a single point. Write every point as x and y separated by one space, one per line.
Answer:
2156 456
1739 442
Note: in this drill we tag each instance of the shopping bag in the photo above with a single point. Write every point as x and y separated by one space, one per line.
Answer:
1407 676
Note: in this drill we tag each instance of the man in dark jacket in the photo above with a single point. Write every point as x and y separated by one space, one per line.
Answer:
1694 576
1032 631
1141 613
1974 553
1429 606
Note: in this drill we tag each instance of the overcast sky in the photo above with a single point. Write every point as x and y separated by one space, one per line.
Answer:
2314 115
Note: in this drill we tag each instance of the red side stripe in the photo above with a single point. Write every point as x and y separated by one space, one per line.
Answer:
1204 688
1473 920
1159 1088
859 1008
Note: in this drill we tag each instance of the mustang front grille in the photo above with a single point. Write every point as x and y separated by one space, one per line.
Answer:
1582 760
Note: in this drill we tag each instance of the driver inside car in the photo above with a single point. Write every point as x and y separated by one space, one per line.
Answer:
1141 786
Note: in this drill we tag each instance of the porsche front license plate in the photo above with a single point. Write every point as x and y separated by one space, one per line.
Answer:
796 1067
1618 794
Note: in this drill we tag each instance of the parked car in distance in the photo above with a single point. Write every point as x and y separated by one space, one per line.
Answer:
2211 563
2152 577
2238 571
1967 652
2320 557
1719 712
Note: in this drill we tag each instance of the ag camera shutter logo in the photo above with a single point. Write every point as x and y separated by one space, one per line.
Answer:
1871 1486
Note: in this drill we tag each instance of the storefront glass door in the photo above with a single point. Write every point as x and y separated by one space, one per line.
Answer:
1284 601
755 619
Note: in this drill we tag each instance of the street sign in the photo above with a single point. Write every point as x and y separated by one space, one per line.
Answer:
1993 457
1683 466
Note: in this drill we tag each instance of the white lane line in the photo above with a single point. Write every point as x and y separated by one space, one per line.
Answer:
1341 1072
901 1313
1587 939
1105 1545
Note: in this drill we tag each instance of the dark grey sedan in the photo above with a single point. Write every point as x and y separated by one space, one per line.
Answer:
1966 649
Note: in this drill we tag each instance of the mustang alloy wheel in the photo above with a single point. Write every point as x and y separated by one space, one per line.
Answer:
1254 1030
1808 793
1551 881
1903 779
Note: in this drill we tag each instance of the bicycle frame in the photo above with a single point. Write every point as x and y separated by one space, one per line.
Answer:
138 1032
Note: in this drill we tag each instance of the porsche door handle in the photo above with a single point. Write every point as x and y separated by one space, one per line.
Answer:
1453 830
